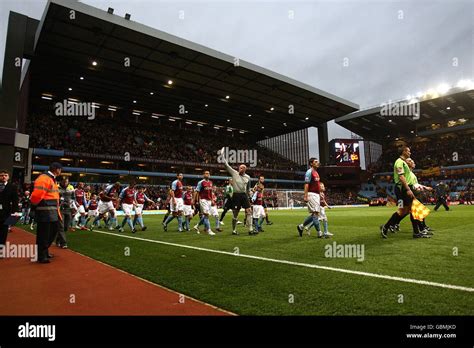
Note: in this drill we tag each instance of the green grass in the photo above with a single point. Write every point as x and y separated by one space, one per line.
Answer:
254 287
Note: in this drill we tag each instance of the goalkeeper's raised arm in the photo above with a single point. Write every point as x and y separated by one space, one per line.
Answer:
240 180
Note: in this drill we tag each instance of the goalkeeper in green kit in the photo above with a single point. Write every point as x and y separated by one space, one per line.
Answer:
228 193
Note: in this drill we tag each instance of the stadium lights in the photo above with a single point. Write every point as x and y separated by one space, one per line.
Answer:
46 97
272 108
153 116
448 108
170 82
206 106
227 97
187 122
134 102
81 78
228 120
263 127
151 93
172 120
69 89
284 123
250 115
306 118
94 63
110 10
136 113
200 125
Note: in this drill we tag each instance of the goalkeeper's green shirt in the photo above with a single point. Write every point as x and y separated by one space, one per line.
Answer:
401 168
229 191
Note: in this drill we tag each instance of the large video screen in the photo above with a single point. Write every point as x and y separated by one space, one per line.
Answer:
347 153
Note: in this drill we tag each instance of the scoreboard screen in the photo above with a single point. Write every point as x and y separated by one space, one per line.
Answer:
347 153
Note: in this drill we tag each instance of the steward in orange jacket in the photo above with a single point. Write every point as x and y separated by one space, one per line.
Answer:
45 202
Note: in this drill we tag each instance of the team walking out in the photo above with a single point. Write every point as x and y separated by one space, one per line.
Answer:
57 207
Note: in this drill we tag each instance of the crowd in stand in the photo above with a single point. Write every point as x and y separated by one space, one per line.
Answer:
164 141
446 151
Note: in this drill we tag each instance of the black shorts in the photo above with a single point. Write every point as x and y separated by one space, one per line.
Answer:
240 200
228 203
401 194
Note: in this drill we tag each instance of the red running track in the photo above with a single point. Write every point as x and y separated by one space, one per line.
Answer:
97 288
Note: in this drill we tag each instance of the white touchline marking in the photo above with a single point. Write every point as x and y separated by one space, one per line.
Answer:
293 263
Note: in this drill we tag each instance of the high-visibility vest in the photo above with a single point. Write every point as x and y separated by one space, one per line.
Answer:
45 197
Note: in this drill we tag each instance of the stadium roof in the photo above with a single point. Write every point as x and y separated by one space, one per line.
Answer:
206 82
446 110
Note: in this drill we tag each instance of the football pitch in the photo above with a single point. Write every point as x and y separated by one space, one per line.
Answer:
279 273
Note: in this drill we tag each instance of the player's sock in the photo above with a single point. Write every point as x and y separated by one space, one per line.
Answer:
325 224
218 225
207 225
234 223
201 221
255 222
316 223
124 221
414 224
188 223
168 219
135 218
223 214
130 223
260 223
394 219
249 223
308 220
308 226
96 220
423 224
165 217
180 222
266 218
140 221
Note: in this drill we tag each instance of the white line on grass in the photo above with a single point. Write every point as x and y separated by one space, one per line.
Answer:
307 265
